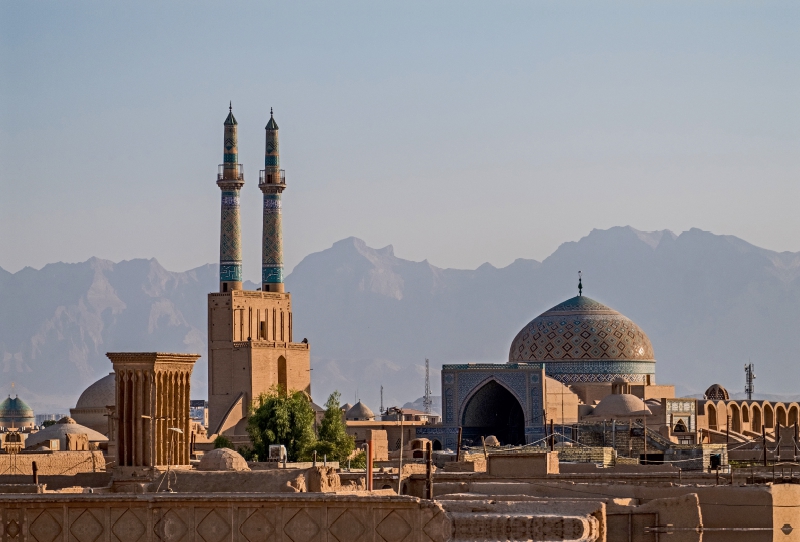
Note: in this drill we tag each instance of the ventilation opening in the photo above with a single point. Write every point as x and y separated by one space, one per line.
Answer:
224 286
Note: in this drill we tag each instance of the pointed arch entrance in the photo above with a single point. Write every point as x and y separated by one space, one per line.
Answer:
493 410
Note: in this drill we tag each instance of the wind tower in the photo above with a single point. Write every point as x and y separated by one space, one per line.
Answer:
230 179
272 182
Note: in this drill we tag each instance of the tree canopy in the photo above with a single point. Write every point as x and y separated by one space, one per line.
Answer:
284 418
332 436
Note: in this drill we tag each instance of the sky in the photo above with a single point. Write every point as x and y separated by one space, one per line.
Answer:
459 132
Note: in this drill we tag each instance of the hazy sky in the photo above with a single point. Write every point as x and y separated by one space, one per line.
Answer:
460 132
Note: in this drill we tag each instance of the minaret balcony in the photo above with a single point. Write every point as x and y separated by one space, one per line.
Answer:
230 172
267 177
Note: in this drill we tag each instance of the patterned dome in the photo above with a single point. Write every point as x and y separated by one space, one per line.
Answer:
581 340
15 412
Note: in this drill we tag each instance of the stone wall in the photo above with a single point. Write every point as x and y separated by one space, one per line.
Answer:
217 518
587 454
52 464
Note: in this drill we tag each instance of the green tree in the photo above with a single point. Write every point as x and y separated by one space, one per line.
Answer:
282 418
223 442
332 436
48 423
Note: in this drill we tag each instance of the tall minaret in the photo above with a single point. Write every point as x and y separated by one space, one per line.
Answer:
272 182
230 180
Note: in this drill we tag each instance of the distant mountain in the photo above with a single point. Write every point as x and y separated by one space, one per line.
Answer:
709 303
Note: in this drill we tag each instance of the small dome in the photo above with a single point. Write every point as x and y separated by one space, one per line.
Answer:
492 441
346 407
60 430
222 459
359 412
100 394
716 393
620 405
16 413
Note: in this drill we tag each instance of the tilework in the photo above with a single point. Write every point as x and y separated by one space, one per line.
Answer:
272 241
471 380
271 161
581 328
601 371
230 244
449 405
230 273
231 152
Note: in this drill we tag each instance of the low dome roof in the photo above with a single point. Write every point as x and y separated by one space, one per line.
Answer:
222 459
620 405
360 411
101 394
581 329
60 429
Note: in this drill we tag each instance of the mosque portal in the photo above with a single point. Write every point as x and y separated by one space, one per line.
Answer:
493 410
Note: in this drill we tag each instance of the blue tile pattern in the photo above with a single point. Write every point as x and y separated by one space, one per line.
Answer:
230 248
272 241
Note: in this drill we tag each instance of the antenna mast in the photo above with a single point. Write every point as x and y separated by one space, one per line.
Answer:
426 399
381 400
749 385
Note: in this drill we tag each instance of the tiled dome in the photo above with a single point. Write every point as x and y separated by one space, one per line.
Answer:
584 331
15 412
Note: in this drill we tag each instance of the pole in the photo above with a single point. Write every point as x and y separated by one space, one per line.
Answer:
485 453
400 468
778 440
552 436
458 446
764 442
727 430
369 467
429 473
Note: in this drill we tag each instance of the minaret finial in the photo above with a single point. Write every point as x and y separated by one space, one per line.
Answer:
580 285
270 111
230 106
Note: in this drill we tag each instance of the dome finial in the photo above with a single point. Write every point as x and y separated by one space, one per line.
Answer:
580 285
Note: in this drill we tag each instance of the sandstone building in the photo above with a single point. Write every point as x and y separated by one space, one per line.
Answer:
251 348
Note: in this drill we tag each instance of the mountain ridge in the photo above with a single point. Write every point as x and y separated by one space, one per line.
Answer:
708 302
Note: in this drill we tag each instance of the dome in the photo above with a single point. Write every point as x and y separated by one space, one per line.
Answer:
91 409
101 394
222 459
59 430
359 412
620 405
346 407
715 392
16 413
582 340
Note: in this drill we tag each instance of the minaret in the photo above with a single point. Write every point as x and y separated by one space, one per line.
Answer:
230 180
272 183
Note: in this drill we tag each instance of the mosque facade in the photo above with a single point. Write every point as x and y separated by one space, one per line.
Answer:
570 356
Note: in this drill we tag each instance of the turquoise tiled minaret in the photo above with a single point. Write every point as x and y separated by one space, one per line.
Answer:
230 180
272 183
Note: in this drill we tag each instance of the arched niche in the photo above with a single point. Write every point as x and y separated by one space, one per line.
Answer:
493 410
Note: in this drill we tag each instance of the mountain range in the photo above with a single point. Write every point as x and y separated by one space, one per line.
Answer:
709 303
